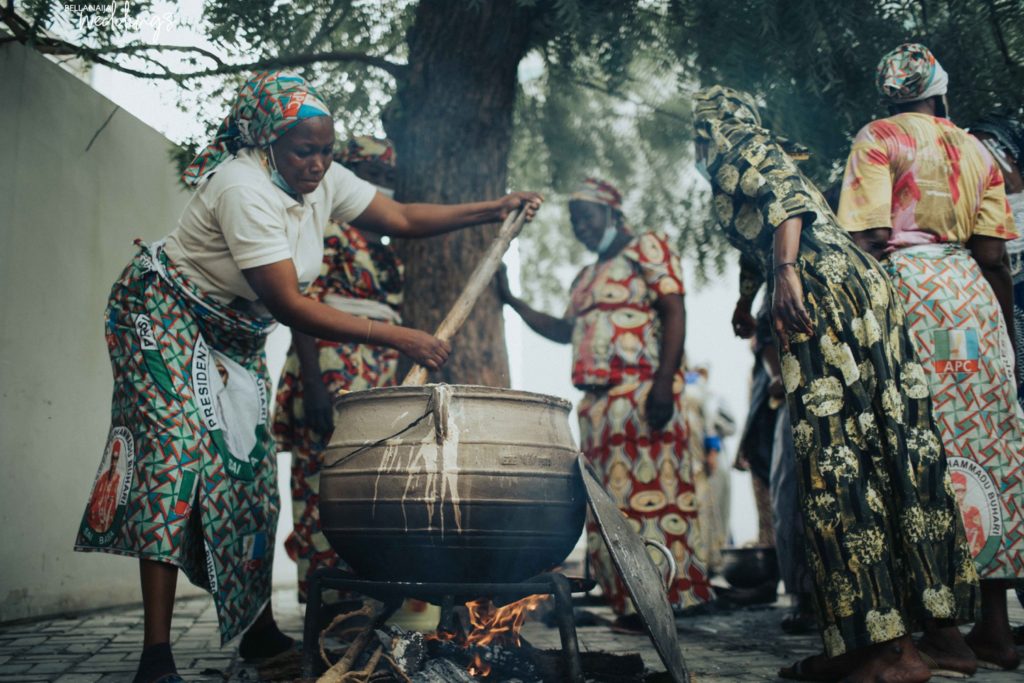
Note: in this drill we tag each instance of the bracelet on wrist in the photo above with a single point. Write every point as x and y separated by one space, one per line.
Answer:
783 265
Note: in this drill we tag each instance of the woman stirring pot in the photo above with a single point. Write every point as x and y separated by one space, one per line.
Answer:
186 324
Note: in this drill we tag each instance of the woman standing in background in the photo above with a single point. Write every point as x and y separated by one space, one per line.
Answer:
360 275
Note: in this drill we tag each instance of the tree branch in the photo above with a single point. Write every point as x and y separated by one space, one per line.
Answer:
331 22
640 103
136 48
55 46
998 31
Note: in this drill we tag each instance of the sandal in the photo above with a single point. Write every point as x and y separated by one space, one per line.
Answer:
939 671
996 666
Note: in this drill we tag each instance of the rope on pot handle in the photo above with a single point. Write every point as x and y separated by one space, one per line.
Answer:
673 569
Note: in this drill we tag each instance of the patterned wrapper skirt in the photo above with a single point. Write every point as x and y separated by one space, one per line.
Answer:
958 329
350 367
650 476
884 541
188 475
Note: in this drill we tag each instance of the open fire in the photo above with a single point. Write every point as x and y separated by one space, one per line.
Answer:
492 627
487 648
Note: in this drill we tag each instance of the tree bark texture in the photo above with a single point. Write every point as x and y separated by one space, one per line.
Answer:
451 122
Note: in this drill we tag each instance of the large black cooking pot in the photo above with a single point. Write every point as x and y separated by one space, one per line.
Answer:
451 483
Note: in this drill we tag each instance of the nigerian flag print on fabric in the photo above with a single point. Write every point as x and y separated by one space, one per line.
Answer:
188 475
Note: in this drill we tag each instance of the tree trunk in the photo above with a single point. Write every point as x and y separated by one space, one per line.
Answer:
451 122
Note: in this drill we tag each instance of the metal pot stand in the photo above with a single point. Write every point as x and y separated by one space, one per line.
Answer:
629 555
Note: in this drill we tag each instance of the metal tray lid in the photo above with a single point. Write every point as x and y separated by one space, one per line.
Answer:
646 587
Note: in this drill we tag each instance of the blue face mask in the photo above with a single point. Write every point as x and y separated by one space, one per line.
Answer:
702 167
276 177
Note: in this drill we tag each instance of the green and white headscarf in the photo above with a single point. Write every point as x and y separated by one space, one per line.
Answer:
267 106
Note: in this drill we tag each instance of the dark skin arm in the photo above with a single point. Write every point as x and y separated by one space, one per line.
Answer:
277 286
672 314
660 401
385 216
316 403
788 310
548 326
990 253
743 323
873 241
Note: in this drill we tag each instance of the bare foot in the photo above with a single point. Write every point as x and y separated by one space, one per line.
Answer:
896 661
994 647
991 638
947 650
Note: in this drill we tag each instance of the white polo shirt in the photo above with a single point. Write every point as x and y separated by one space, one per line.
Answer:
238 219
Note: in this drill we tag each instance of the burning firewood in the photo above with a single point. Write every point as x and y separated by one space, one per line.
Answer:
341 671
442 670
491 648
406 649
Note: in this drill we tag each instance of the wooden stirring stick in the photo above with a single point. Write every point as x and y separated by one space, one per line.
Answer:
475 286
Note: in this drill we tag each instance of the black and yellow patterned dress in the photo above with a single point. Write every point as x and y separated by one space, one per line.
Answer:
885 544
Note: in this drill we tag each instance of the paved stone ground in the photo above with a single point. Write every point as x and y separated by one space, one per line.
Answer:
103 647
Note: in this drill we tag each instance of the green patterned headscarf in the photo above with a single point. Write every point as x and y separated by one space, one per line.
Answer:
266 107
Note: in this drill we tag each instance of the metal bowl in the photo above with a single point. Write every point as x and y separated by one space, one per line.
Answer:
750 567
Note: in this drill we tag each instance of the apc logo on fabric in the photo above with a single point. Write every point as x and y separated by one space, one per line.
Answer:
978 499
105 512
956 352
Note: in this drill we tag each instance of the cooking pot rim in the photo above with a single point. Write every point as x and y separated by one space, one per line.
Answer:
459 390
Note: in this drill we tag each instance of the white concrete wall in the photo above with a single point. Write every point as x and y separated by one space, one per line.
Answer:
68 216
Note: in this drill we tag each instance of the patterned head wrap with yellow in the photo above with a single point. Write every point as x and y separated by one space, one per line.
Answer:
266 107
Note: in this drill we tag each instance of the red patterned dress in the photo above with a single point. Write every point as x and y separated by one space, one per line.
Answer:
616 346
352 269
